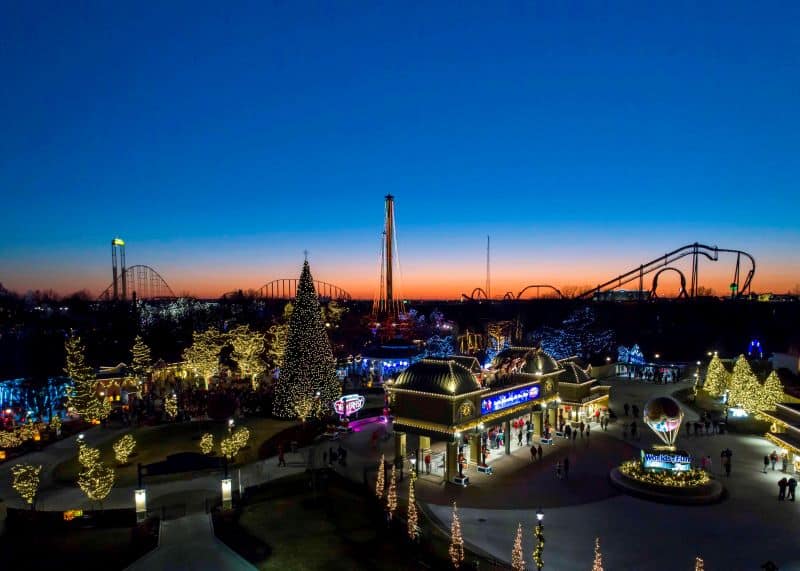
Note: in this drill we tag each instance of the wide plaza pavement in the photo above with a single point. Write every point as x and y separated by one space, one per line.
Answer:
743 531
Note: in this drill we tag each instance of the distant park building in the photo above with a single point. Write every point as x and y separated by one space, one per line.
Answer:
452 413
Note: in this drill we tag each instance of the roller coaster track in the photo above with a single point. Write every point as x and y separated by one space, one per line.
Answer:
478 294
287 289
143 283
738 288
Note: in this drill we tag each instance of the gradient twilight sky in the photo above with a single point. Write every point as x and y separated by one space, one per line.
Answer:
221 139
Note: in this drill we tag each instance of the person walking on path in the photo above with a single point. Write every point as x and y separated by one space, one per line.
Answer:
588 430
766 463
626 407
519 437
582 427
540 452
566 468
782 483
427 463
533 453
784 463
792 484
773 458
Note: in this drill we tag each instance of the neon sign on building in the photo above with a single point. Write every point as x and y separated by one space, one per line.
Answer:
508 399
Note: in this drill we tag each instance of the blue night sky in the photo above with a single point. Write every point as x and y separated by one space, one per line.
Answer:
222 139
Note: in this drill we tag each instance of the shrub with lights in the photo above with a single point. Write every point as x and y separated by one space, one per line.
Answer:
207 443
96 481
685 479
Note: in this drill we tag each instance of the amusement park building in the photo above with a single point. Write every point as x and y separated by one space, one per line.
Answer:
451 400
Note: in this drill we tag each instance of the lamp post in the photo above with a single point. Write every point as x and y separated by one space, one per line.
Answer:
539 535
230 425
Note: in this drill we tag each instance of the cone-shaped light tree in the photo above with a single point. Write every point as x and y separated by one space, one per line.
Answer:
517 556
82 397
413 528
308 366
391 493
456 541
598 557
744 386
379 481
142 360
716 377
771 392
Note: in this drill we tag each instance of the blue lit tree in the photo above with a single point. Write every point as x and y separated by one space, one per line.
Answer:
578 335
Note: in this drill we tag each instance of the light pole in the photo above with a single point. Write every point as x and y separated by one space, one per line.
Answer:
539 535
230 425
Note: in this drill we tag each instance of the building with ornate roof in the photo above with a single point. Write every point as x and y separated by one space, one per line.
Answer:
482 414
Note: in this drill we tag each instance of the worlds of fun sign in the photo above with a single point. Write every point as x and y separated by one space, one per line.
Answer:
509 399
670 461
348 404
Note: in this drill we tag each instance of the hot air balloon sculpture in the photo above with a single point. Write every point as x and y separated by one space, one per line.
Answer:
664 416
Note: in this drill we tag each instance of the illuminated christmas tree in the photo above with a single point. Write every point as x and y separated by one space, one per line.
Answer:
517 556
123 448
717 377
202 357
771 392
598 557
25 480
83 397
456 541
698 564
141 361
309 367
247 349
391 494
744 386
413 528
379 480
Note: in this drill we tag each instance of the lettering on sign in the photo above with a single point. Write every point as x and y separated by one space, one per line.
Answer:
678 461
508 399
348 404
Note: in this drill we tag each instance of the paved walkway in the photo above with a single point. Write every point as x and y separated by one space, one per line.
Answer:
189 544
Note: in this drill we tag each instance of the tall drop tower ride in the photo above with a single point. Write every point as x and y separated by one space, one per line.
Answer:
387 305
118 245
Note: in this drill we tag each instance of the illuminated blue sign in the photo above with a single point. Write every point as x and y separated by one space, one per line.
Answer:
678 461
508 399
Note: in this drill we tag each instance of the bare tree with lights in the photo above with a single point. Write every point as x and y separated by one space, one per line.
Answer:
517 555
25 481
247 349
456 549
202 357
